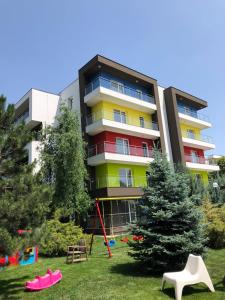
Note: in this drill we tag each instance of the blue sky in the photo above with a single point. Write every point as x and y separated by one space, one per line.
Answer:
180 43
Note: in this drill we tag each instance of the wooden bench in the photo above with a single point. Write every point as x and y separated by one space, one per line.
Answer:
77 253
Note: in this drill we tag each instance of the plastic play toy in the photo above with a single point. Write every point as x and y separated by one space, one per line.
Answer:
124 240
26 257
138 238
29 256
111 243
44 282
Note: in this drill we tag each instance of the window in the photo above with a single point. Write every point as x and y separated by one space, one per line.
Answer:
145 149
194 156
117 86
70 102
142 122
187 110
122 146
139 94
190 134
120 116
126 179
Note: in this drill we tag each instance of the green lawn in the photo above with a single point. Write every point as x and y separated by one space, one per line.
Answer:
102 278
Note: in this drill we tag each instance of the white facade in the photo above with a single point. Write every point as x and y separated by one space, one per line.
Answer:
165 124
71 94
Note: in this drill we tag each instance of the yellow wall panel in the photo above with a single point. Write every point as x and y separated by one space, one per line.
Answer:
185 127
105 110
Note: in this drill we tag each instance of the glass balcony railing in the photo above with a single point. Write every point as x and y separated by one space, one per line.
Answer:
187 111
118 87
199 160
116 181
117 148
22 117
109 115
198 137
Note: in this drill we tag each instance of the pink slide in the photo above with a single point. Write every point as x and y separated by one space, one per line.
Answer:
44 282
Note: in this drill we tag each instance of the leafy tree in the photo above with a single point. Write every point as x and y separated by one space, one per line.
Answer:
198 191
217 192
63 165
215 224
221 164
169 222
23 201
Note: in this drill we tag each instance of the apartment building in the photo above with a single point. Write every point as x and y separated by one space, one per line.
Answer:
123 114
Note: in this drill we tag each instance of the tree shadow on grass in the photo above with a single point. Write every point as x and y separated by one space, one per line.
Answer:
9 288
133 269
194 289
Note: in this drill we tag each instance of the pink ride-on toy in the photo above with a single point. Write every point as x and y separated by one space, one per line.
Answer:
44 282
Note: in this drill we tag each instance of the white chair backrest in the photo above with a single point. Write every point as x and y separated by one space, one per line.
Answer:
193 264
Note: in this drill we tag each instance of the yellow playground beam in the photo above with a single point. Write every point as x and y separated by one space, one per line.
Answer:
118 198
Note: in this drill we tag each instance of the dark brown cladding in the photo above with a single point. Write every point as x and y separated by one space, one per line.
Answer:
124 73
189 99
171 96
118 192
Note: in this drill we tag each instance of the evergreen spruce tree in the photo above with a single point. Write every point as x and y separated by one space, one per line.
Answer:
63 165
169 222
23 201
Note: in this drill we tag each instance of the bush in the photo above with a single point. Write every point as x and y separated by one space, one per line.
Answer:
57 236
215 224
7 243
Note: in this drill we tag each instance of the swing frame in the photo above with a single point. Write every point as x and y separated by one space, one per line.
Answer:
97 200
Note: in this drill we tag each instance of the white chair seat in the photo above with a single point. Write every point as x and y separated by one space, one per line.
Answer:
194 272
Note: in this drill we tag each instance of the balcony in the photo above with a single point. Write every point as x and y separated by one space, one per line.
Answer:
199 141
108 152
105 121
200 163
103 89
193 118
119 182
22 118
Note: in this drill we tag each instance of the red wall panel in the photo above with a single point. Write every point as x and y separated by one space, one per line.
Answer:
187 151
106 142
110 137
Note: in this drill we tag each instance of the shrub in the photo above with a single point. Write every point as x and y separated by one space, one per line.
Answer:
215 224
56 236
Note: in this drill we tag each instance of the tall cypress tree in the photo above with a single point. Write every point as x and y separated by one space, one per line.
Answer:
169 222
63 165
23 201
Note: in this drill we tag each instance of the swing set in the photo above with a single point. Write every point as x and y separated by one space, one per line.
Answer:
112 241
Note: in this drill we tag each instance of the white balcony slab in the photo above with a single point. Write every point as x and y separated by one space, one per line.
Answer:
197 144
202 167
189 120
118 158
42 107
104 94
108 125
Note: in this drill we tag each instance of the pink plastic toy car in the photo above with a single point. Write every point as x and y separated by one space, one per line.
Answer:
44 282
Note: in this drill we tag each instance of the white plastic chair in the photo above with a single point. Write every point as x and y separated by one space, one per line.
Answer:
194 272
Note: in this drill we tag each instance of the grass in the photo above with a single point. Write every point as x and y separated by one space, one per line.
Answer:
101 278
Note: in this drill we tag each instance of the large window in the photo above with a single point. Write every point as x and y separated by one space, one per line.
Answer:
190 134
126 179
122 146
194 156
119 116
145 149
117 86
139 94
142 122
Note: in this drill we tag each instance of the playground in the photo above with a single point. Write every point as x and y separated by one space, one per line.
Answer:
100 277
